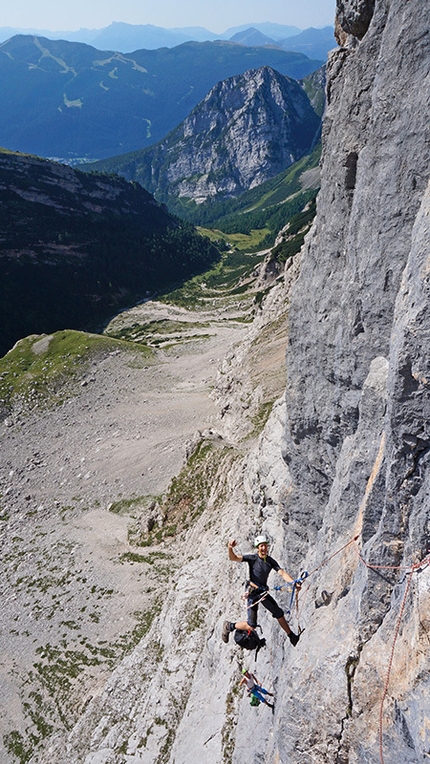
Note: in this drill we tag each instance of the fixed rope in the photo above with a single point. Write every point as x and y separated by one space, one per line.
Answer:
327 559
295 588
409 570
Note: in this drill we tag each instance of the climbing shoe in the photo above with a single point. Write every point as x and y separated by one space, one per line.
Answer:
226 631
294 638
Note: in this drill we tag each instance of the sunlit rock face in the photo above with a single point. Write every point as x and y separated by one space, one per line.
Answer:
357 435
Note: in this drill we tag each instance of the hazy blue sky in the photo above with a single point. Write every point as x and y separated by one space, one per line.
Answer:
216 15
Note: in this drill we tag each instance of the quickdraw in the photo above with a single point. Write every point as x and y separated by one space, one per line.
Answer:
294 587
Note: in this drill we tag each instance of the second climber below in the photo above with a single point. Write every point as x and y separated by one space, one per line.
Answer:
260 565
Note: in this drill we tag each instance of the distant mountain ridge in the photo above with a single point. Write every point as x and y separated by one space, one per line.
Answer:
246 130
270 29
69 101
314 43
129 37
252 36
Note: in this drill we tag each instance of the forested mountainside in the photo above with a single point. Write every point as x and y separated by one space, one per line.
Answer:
74 248
246 130
69 101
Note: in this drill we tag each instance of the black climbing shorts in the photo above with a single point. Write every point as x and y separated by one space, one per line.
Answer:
268 602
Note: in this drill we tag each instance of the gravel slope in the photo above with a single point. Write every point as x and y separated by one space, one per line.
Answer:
73 595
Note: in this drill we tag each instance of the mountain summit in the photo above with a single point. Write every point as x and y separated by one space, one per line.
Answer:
246 130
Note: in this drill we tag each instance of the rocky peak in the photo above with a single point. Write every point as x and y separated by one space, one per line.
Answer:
246 130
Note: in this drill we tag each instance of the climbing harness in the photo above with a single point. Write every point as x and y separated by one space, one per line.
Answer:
253 589
293 587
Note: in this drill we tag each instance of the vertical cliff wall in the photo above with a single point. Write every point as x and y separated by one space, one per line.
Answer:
357 432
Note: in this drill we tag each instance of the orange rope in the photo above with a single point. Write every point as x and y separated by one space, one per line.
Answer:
383 567
327 559
415 567
412 569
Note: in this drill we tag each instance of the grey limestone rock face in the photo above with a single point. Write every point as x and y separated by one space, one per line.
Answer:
374 175
355 16
358 405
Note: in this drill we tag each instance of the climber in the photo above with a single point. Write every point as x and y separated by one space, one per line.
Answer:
255 689
260 565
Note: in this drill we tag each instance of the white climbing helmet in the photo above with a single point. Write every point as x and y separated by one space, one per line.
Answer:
260 540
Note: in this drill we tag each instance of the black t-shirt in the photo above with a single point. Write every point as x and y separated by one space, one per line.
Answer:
260 568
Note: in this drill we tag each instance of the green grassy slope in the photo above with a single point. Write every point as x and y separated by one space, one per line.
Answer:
259 214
